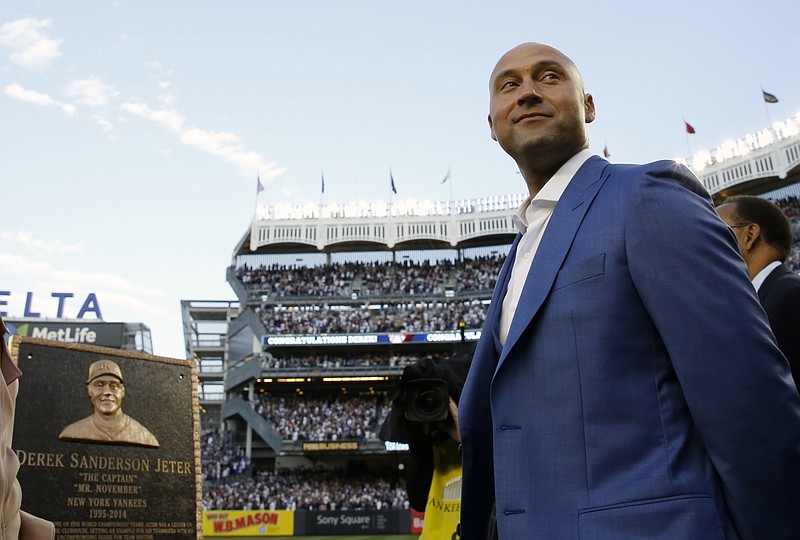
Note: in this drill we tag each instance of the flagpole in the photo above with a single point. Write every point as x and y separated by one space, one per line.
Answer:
392 188
258 190
450 178
766 108
322 189
451 204
390 214
686 134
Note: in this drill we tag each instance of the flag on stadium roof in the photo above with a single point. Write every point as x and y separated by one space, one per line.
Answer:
322 174
447 176
391 180
769 98
259 185
689 128
606 153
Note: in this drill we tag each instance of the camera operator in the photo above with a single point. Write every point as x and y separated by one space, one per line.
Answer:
425 415
450 426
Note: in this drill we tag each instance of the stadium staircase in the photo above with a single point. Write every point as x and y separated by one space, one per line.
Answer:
249 319
236 284
259 424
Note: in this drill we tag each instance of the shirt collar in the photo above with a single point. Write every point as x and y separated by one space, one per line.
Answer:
552 189
762 276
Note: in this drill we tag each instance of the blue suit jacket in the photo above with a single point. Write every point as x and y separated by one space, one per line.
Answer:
639 394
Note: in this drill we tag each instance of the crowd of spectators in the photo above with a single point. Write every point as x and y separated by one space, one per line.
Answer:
220 458
281 280
301 418
419 317
334 361
791 207
372 279
406 278
310 489
478 275
281 283
224 487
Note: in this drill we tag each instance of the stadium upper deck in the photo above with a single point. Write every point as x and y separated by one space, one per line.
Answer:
755 164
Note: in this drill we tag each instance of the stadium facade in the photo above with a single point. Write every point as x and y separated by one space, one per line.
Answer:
244 356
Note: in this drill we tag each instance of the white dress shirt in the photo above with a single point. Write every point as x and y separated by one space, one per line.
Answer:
531 219
761 276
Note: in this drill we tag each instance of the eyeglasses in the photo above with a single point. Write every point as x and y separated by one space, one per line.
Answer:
736 225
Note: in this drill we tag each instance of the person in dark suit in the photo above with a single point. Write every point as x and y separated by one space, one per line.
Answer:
765 239
626 384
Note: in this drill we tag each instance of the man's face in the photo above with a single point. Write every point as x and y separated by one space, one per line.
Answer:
106 393
537 104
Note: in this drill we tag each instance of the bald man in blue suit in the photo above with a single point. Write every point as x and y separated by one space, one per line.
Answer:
626 384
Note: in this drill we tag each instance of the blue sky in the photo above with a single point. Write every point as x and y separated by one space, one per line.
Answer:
131 132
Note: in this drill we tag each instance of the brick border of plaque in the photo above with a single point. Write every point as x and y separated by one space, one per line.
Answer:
108 441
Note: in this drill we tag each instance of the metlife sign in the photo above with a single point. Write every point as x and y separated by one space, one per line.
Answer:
100 334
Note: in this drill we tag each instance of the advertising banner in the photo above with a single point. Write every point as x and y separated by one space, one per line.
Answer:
248 523
100 334
330 446
394 338
107 441
359 522
417 521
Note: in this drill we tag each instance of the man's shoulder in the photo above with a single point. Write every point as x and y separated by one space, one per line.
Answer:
784 279
86 421
132 422
661 167
136 432
78 429
664 176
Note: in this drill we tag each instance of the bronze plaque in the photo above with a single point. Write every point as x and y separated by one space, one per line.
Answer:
108 441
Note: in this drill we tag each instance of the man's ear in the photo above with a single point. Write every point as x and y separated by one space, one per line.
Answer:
588 104
751 235
491 128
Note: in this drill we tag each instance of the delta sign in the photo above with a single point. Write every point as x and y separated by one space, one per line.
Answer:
89 305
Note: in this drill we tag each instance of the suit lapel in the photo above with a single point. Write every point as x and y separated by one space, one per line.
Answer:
555 244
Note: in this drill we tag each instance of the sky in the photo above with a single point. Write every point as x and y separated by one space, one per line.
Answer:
132 132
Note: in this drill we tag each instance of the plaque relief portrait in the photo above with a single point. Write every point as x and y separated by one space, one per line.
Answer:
108 424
